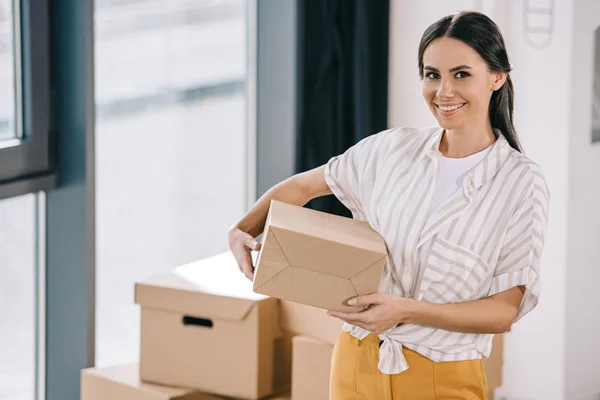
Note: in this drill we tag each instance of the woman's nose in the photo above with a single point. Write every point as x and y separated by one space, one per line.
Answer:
445 89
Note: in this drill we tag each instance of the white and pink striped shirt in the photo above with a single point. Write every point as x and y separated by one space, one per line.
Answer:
485 238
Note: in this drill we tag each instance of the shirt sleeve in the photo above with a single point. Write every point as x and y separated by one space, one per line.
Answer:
351 175
519 259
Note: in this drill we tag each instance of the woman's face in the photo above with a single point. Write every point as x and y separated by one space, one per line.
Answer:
457 83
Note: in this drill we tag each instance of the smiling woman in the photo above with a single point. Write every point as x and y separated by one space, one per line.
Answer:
463 214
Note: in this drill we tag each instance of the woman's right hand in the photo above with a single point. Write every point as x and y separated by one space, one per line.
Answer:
241 245
298 189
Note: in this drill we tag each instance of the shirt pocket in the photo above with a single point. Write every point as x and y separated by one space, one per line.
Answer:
452 273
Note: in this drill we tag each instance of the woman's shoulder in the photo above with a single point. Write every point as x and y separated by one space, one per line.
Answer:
523 167
402 135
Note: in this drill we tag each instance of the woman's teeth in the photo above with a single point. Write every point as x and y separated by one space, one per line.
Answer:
451 108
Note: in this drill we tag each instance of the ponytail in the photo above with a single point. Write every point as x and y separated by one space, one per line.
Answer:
501 112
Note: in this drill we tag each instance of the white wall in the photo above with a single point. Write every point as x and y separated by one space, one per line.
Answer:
583 317
535 349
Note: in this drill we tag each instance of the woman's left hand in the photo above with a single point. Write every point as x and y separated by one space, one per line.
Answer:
385 312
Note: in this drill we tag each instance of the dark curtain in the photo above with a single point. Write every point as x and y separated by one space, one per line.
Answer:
342 80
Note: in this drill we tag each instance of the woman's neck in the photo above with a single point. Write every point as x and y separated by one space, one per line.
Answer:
459 143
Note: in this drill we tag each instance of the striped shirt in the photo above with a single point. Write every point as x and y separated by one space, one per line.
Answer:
485 238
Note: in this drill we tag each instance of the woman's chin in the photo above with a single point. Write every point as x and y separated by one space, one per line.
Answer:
444 123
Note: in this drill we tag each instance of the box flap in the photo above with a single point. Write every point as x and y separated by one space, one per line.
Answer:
213 287
271 260
368 280
318 255
325 226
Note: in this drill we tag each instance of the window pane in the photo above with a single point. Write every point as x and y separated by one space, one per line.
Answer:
17 297
7 70
170 143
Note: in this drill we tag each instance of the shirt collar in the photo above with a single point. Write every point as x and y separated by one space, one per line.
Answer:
488 167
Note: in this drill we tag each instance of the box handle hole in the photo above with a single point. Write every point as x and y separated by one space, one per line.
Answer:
194 321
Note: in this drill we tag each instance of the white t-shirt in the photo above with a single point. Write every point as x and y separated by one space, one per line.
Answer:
451 173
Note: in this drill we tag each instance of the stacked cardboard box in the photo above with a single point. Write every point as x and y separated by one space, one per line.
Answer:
123 382
207 334
205 329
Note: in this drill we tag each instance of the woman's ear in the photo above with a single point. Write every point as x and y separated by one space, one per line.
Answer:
499 80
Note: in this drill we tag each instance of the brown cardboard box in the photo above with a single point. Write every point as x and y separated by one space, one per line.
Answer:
122 382
311 369
309 321
299 319
283 360
493 365
318 259
282 396
203 327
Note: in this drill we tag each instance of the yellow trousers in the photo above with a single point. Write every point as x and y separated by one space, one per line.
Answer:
355 376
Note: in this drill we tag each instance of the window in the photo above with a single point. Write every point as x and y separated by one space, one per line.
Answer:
18 294
26 152
26 166
171 147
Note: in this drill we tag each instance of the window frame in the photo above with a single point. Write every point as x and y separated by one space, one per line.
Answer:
28 163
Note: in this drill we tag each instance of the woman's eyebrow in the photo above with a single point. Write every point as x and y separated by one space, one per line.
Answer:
454 69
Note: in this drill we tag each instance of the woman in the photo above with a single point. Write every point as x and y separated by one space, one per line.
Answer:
463 214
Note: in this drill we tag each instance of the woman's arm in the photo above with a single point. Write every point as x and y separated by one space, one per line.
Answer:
298 189
494 314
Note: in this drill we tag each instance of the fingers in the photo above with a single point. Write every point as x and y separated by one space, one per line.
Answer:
365 300
250 243
246 265
352 318
362 320
242 245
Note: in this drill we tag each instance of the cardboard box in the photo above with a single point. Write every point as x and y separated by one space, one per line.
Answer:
493 365
318 259
285 396
283 360
311 369
122 382
299 319
203 327
309 321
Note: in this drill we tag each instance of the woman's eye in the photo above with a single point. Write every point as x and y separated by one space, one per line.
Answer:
462 74
431 75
